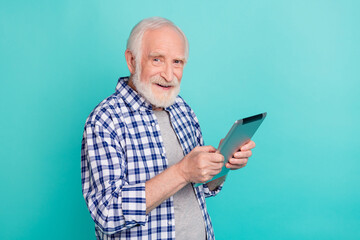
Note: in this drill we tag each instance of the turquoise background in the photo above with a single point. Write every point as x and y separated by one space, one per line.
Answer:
297 60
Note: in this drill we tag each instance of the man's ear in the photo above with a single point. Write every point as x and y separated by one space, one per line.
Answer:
130 61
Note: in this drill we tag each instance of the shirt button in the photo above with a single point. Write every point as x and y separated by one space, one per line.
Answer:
169 222
163 154
153 124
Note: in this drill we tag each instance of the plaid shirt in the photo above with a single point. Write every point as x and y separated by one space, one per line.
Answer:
122 148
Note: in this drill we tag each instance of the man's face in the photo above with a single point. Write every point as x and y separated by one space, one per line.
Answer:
162 63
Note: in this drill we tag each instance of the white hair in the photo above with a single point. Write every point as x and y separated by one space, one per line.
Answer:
134 42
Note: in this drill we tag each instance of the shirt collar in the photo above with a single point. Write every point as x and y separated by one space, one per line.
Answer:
130 96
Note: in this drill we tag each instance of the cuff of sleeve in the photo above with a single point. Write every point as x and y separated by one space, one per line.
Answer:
134 204
211 193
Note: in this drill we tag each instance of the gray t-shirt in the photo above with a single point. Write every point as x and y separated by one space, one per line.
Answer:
189 222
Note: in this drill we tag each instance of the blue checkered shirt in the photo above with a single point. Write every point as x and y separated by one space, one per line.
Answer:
122 148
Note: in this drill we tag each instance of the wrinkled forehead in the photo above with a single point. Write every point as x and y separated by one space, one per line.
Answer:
164 39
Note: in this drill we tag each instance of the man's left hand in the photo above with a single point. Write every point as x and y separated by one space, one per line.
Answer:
240 157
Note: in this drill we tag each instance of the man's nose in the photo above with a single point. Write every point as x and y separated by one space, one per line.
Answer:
168 73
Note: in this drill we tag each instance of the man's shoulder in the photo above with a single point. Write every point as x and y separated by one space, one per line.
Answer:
180 103
182 106
111 107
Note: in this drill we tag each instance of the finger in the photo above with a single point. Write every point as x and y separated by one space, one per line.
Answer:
216 165
250 145
214 172
209 173
238 160
208 148
243 154
217 158
234 166
214 157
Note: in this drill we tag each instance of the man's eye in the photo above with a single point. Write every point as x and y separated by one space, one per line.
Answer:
156 60
178 62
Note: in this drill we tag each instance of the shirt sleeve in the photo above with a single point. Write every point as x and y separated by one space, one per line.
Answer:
199 138
114 204
211 193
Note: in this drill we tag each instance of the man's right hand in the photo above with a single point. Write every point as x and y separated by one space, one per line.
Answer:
201 164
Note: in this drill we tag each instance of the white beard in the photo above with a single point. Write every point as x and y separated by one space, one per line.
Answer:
145 89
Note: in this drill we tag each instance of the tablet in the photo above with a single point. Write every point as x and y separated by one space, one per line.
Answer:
240 133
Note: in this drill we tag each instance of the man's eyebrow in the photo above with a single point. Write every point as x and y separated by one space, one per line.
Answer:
156 54
181 58
159 54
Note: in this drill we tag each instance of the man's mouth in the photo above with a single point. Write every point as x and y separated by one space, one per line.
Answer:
164 86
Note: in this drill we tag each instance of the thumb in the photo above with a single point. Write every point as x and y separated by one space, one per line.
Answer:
208 148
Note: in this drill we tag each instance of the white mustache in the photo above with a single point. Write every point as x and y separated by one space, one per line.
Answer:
161 81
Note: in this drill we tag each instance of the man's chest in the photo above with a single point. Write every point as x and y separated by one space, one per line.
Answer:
143 144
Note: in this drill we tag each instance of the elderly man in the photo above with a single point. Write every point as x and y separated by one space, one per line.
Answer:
142 147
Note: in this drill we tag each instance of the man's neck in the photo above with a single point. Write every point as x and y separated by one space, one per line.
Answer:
131 84
157 108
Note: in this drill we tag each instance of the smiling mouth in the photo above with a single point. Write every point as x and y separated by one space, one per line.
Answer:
163 86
